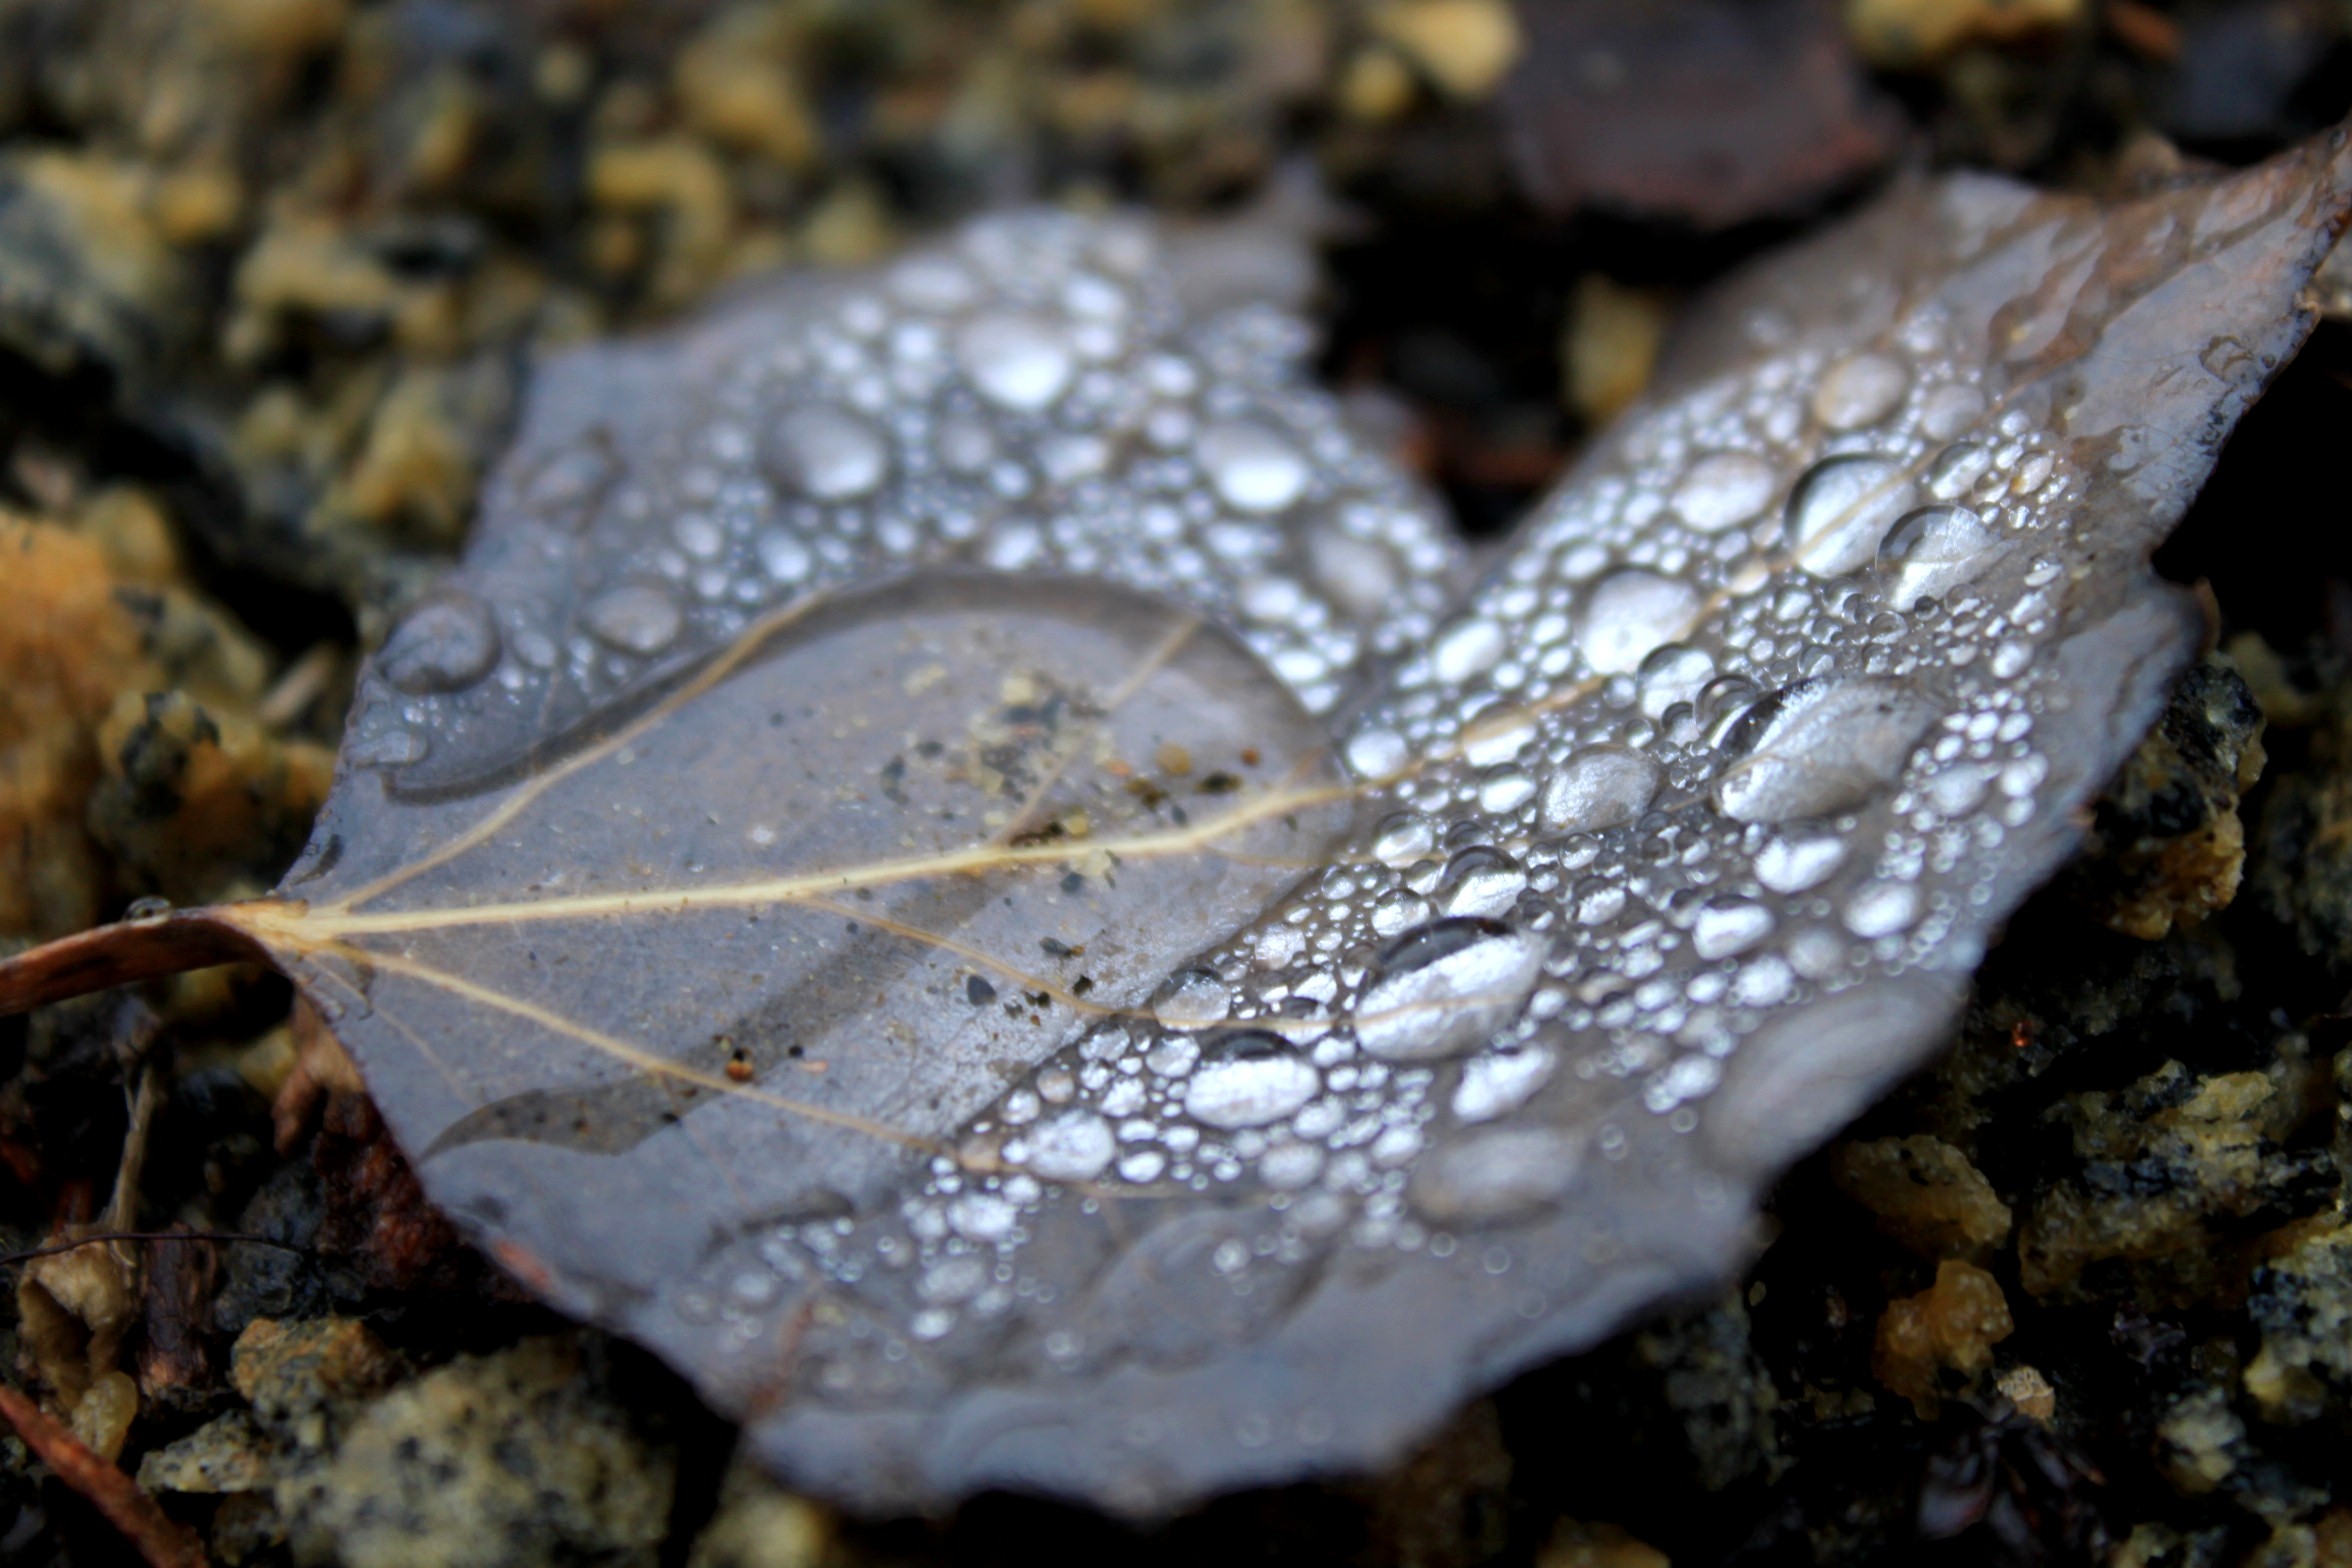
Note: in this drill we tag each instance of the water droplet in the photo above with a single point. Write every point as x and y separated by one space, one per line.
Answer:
639 618
1359 573
1934 550
1630 613
1504 789
1481 880
1723 490
1729 925
1821 746
1018 362
392 748
1676 672
1599 788
1446 988
1196 999
1791 865
1401 839
1073 1146
825 453
1882 908
1842 508
1950 409
783 557
1253 468
1493 1085
1500 1174
1956 470
446 643
1255 1080
1498 736
1860 391
1377 754
1466 649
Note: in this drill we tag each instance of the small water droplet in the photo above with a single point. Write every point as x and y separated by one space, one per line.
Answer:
1791 865
1466 649
1504 789
446 643
1956 470
1254 1079
1676 672
1599 788
1933 550
1255 469
826 453
638 618
1073 1146
1359 573
1861 390
1494 1085
1403 838
1729 925
1498 737
1882 908
1446 988
1196 999
1481 880
1821 746
1723 490
1499 1174
392 748
1628 614
1018 362
1842 508
1377 754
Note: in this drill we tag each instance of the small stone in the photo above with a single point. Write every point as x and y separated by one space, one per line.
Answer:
1951 1326
1924 1193
1464 46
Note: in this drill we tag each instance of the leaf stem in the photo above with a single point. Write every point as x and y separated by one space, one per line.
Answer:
121 954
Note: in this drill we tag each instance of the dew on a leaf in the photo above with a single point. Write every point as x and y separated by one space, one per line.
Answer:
1493 948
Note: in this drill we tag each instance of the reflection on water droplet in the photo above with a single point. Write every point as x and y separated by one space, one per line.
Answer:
1791 865
446 643
1501 1174
1255 1079
1481 880
1599 788
1195 999
1465 649
1629 614
1842 508
826 453
1860 391
636 619
1674 673
1723 490
1074 1146
1253 468
1446 988
1729 925
1401 839
1933 551
1821 746
1018 362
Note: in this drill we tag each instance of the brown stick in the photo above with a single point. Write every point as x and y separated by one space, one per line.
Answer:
161 1539
119 955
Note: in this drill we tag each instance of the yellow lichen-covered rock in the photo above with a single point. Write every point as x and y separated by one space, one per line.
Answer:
1614 334
1576 1544
1950 1326
736 82
1924 1193
679 181
1903 33
1466 47
761 1525
2302 1302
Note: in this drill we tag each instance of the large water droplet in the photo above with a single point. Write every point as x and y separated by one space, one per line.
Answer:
1446 988
1253 468
1842 508
1957 469
1073 1146
1933 551
1597 789
1503 1173
1196 999
1821 746
446 643
1630 613
1504 789
1018 362
1723 490
1255 1079
826 453
1860 391
1403 838
1494 1085
639 618
1882 908
1674 673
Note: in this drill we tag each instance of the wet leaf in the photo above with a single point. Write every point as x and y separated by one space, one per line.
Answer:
939 867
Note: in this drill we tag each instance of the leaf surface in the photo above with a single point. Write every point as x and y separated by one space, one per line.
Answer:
1078 979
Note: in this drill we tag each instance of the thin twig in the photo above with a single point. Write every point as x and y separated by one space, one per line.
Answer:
161 1539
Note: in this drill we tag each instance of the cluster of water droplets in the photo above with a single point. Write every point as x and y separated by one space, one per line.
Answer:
1037 393
1737 725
